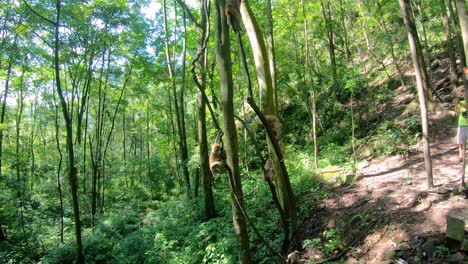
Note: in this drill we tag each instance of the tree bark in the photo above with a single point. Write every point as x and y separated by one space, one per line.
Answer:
327 16
19 115
202 29
72 173
458 39
283 185
59 169
2 234
224 63
179 118
271 50
2 116
463 18
449 44
313 110
412 38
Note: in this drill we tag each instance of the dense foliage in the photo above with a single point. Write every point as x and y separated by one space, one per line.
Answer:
114 79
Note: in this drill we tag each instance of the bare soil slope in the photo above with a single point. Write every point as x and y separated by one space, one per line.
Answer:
389 216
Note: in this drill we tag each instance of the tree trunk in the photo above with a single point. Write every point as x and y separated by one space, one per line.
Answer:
463 18
202 29
327 16
449 45
19 180
283 185
458 39
223 59
2 116
2 234
59 169
271 50
412 38
179 118
72 173
313 110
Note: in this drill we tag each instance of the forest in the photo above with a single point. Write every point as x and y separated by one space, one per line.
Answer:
231 131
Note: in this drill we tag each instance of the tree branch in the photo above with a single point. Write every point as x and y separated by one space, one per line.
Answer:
37 14
189 14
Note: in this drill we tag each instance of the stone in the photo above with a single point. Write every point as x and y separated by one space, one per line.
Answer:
443 190
351 260
428 248
465 245
389 253
452 244
455 228
456 258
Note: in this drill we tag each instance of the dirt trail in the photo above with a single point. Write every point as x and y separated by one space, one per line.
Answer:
389 214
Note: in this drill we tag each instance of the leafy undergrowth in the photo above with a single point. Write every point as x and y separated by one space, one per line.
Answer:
176 231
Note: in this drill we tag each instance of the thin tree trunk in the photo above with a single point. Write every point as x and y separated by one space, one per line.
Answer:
19 116
182 147
71 154
449 44
59 170
327 16
2 234
271 50
412 38
463 19
203 29
458 39
181 114
283 184
223 59
2 117
312 108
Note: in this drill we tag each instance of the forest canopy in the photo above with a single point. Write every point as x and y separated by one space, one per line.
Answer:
172 131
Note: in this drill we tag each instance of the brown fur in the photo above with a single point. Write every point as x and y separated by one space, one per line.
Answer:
216 160
269 174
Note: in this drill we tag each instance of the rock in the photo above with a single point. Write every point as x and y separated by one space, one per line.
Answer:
455 228
452 244
443 190
351 261
456 258
352 178
389 253
363 164
428 248
465 245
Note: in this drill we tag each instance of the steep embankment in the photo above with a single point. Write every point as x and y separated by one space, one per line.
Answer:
389 214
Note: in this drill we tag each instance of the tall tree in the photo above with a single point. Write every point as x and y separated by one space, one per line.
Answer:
313 108
411 30
268 107
72 171
463 19
202 28
449 44
224 63
330 32
179 118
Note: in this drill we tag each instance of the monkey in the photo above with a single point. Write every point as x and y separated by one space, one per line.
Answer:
269 172
294 257
217 156
275 125
277 128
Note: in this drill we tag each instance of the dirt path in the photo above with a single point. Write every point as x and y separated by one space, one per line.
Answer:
389 214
